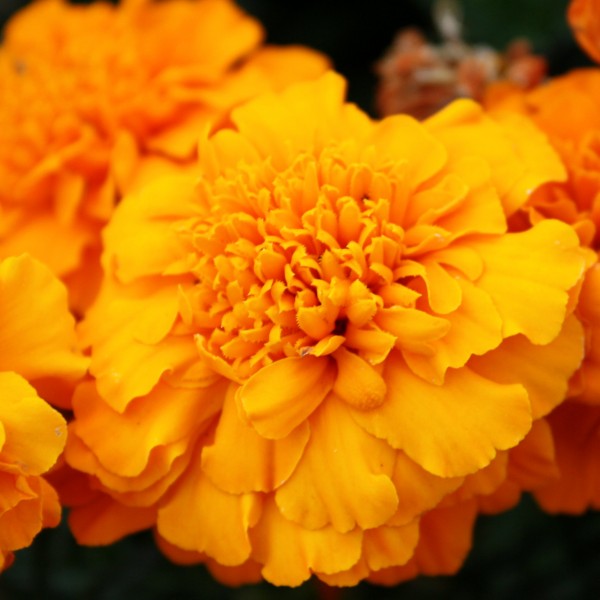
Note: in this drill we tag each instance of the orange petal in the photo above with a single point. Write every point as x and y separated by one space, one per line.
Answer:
283 394
544 371
130 353
343 478
34 433
418 490
290 553
141 237
105 521
445 539
533 463
163 417
390 546
164 466
273 122
475 328
284 65
519 155
200 517
20 523
453 429
483 482
248 572
584 19
528 274
262 466
37 332
414 329
58 245
404 140
576 431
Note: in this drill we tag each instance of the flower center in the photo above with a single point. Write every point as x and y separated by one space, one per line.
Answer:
302 261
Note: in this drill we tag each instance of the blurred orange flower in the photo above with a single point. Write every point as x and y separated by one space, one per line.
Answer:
576 136
96 98
584 18
37 346
314 341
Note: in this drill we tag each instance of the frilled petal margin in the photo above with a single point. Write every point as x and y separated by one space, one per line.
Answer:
453 429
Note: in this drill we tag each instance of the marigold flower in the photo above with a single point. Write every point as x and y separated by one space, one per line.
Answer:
574 134
584 18
95 98
37 348
305 347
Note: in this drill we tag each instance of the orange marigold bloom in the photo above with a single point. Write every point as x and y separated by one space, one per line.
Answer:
37 340
584 18
306 346
94 98
575 135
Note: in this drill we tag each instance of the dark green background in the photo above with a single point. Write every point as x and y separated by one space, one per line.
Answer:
520 554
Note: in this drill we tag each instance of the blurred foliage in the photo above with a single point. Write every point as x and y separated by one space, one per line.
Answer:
523 552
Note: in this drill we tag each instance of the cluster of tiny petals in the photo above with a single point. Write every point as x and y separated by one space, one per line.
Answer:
327 252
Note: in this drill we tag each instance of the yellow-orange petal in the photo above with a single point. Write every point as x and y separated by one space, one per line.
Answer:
453 429
403 139
161 418
576 432
105 521
343 477
290 553
413 329
56 244
445 538
36 340
533 462
418 490
285 65
283 394
22 521
262 466
247 572
200 517
544 371
483 482
390 546
528 274
474 328
280 125
123 330
142 238
520 156
34 433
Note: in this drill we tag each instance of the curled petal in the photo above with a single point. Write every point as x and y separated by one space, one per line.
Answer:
33 433
264 464
544 371
528 274
453 429
282 395
290 553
